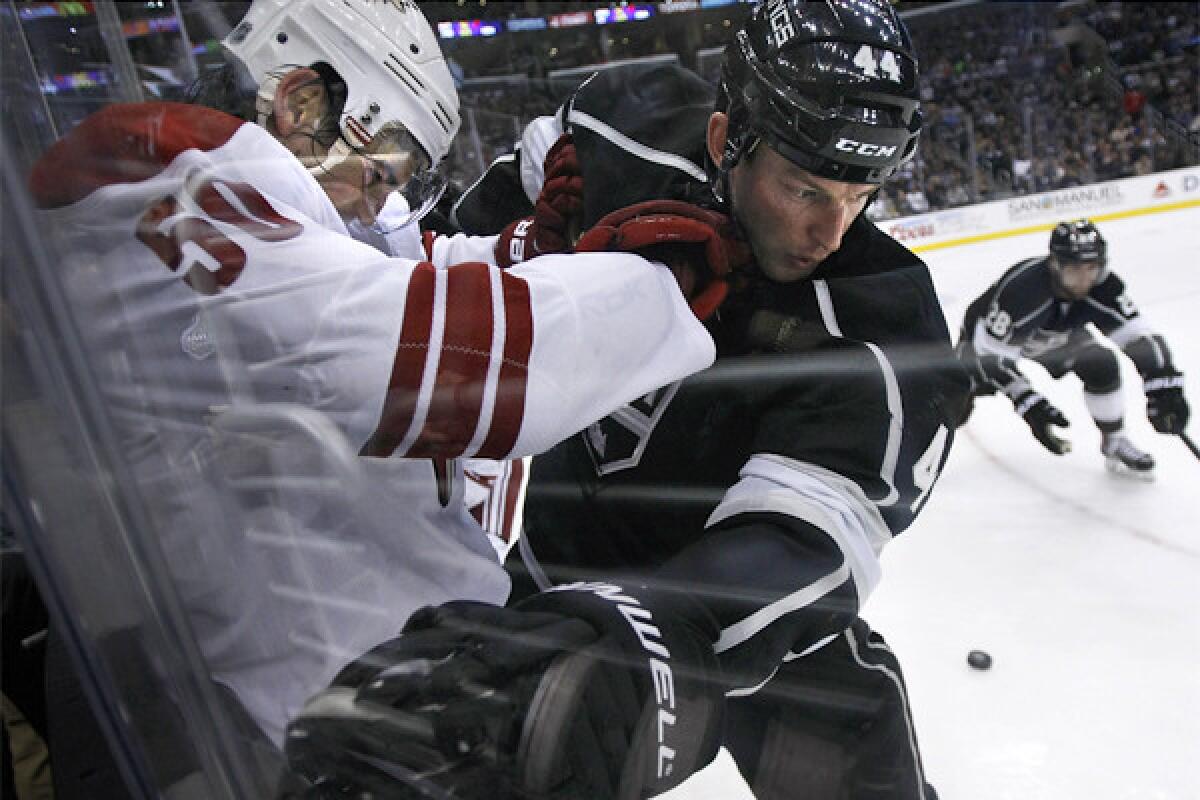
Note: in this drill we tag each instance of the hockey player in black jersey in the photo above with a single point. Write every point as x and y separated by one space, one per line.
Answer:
1039 309
719 535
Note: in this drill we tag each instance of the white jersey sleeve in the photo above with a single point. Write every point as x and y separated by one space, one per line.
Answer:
246 258
501 364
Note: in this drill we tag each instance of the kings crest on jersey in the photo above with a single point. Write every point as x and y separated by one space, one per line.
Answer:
618 441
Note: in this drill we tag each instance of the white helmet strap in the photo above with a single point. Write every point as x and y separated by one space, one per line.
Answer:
264 101
337 153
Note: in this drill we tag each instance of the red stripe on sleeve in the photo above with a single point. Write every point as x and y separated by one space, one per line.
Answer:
514 371
427 239
463 364
409 367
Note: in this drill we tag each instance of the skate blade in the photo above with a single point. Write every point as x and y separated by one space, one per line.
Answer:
1123 470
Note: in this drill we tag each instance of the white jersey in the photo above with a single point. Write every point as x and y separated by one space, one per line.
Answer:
213 281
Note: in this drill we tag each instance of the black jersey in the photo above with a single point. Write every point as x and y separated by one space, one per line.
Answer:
1020 316
766 485
1022 312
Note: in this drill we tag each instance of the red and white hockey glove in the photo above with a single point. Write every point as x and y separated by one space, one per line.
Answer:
548 230
699 246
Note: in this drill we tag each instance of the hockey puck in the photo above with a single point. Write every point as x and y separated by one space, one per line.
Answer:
979 659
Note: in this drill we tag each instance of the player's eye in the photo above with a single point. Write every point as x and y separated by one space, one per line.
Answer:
382 172
804 193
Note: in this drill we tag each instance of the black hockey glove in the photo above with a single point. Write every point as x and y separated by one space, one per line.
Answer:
700 246
434 713
1041 416
529 702
1166 407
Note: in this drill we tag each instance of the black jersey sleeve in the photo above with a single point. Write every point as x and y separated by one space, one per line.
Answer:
1111 307
777 587
1116 315
638 130
888 387
853 427
494 200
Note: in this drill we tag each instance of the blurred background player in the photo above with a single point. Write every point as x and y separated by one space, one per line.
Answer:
209 263
733 520
1040 309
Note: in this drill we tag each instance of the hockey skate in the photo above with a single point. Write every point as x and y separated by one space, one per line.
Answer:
1122 457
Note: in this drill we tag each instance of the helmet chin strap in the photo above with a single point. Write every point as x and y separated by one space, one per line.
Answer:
338 152
264 101
735 149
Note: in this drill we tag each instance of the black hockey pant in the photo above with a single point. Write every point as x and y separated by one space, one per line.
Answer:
833 725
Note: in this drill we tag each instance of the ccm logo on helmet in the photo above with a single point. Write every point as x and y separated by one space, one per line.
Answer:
641 620
865 148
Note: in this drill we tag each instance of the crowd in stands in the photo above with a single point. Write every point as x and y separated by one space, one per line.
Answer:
1018 98
1013 108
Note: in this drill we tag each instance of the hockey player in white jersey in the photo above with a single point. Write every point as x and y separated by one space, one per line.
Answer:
208 262
1039 309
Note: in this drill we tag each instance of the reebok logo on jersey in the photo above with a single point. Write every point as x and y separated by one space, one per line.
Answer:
516 245
865 148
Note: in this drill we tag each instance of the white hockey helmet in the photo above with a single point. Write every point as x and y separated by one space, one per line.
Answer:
388 56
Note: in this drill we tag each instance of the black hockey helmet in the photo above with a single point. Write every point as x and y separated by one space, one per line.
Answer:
831 86
1078 241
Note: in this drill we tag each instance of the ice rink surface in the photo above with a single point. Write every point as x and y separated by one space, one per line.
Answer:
1083 586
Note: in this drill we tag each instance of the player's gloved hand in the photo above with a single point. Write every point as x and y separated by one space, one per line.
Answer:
635 714
1042 417
555 214
436 712
1166 407
560 697
700 246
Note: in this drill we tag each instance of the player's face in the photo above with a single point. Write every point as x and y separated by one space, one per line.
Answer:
358 184
794 219
1076 278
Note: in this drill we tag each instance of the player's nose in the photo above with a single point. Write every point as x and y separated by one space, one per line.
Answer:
826 224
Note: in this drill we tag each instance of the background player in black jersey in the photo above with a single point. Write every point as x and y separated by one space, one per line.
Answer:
1040 309
719 535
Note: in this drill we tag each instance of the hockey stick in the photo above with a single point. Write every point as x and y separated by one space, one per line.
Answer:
1190 444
